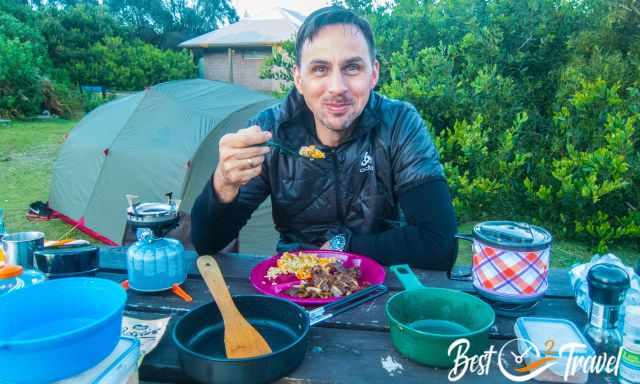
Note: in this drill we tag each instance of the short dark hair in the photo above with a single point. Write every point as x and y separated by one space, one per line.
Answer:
328 16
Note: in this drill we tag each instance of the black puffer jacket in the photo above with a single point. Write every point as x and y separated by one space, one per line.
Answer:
355 189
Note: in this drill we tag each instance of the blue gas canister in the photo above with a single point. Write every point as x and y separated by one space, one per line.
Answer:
155 263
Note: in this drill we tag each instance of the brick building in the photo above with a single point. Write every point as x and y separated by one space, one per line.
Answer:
236 52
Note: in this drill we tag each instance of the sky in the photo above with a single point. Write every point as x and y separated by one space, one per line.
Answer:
255 6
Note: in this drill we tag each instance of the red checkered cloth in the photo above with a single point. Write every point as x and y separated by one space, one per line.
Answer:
510 272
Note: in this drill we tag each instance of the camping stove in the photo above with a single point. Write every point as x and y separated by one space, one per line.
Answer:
155 263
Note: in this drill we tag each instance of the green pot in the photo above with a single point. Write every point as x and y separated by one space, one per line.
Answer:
425 321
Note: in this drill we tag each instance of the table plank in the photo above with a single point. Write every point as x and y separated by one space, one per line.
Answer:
335 356
238 265
369 316
348 348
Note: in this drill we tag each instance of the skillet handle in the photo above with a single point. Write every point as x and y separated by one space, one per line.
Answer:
404 273
323 313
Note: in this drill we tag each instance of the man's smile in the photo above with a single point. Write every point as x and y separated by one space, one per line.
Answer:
338 108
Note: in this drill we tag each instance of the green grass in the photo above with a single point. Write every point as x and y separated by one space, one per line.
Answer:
27 152
29 148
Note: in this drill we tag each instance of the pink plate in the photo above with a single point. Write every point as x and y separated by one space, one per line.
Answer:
371 273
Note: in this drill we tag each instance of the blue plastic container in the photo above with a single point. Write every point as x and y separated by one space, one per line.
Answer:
155 263
59 328
14 277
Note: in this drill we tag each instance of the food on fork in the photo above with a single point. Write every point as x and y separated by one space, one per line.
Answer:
311 152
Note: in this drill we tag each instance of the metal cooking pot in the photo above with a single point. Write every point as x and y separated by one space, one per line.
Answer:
19 247
199 337
510 261
67 261
159 217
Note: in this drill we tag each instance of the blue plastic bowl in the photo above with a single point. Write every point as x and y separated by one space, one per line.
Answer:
58 328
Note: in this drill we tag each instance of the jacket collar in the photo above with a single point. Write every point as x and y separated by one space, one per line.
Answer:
294 109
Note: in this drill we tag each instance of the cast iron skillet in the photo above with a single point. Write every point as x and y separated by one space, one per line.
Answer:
199 337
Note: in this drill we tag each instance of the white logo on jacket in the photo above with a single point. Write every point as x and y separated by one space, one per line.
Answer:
366 165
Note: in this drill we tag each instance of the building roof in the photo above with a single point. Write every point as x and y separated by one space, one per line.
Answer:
269 28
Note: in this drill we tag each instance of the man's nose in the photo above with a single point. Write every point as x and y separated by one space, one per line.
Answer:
337 83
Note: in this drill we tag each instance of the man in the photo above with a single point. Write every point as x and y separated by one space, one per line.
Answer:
380 191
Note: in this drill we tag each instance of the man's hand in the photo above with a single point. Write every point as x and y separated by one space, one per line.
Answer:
240 161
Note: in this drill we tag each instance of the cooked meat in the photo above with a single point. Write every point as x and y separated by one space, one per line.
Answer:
331 280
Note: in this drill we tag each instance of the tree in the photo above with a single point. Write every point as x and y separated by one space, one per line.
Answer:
70 32
132 65
169 22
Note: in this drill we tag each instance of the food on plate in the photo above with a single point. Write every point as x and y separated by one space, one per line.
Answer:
320 277
298 264
311 152
331 280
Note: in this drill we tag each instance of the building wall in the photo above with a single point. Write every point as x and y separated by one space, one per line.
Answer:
246 67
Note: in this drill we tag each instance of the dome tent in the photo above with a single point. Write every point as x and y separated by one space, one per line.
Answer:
164 139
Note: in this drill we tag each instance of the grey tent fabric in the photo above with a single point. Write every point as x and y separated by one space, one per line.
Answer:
164 139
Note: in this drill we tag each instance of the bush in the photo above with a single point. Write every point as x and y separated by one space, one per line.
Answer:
535 106
46 53
20 79
132 66
589 185
62 98
279 66
92 101
71 32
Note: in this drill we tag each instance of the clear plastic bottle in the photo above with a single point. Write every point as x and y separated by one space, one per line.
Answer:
629 371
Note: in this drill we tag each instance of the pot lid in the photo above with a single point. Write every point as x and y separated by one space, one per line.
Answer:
152 210
512 235
64 250
607 283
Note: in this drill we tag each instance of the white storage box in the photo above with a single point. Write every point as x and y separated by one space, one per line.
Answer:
121 366
549 335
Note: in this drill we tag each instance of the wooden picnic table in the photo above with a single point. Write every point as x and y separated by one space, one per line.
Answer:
353 347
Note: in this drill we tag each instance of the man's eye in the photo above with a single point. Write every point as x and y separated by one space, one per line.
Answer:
352 68
319 70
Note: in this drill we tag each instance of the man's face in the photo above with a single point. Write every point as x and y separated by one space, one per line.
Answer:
336 75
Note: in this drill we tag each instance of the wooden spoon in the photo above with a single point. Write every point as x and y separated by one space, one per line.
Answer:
241 339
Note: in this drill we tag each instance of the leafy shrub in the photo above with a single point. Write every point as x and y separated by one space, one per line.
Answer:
62 98
133 65
20 78
534 105
70 33
279 66
92 101
48 52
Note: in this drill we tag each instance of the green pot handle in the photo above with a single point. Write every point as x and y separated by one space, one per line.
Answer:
404 273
